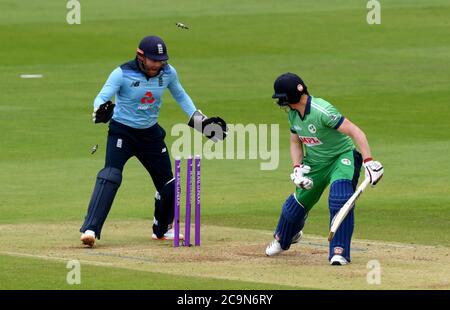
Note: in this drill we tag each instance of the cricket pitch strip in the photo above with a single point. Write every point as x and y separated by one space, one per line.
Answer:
234 254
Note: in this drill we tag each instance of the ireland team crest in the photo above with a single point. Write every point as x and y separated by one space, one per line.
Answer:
312 128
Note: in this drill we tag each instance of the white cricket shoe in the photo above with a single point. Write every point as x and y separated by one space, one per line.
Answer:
297 238
274 248
169 235
338 260
88 238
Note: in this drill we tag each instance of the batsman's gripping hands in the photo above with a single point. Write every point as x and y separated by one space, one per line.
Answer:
297 176
103 113
374 170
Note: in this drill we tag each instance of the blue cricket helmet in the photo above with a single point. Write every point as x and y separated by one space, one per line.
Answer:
154 48
288 89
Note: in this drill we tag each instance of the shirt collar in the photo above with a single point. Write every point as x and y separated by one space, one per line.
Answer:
307 109
308 105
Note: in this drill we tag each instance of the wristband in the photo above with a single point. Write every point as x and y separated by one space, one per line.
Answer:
368 159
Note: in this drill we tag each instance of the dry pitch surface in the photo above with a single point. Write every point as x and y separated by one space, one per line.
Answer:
235 254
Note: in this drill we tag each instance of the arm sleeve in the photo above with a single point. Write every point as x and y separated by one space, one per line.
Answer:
110 88
180 95
332 119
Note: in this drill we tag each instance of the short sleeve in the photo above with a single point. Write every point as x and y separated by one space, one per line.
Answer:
331 117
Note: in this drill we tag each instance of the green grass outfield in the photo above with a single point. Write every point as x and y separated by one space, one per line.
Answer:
32 273
391 79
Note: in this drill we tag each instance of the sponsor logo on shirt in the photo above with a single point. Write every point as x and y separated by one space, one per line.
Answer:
334 117
310 141
144 107
148 98
297 128
147 101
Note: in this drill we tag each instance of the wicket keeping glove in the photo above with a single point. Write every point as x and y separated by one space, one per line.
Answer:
214 128
374 170
297 176
103 113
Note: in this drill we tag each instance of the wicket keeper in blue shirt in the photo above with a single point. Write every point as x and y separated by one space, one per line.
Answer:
138 87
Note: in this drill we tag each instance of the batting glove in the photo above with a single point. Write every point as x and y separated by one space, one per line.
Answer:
374 170
297 176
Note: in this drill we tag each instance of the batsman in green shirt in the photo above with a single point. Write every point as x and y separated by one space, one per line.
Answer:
322 153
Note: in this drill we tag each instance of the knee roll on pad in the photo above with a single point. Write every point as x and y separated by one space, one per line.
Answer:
291 221
111 174
106 186
340 192
164 208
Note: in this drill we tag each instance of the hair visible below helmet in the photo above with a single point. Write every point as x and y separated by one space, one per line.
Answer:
289 88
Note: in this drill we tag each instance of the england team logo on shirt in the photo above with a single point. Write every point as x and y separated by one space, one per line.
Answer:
312 128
